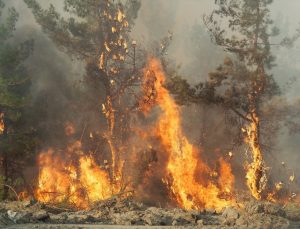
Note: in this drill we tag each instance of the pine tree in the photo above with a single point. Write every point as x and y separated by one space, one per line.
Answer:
97 33
16 145
244 77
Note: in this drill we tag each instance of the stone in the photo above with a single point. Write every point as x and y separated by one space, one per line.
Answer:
78 218
230 213
210 211
18 217
5 220
274 209
157 217
127 218
200 222
254 207
292 212
241 221
27 203
40 215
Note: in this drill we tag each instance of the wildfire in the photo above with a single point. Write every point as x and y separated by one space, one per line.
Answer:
2 126
188 177
71 177
256 172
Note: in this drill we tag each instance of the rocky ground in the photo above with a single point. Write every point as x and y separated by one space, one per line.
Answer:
129 214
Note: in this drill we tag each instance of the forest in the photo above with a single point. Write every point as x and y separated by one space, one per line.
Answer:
127 110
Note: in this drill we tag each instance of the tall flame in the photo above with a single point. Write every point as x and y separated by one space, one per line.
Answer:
188 176
255 174
2 126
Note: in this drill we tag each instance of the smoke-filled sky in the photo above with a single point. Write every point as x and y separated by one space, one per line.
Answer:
191 47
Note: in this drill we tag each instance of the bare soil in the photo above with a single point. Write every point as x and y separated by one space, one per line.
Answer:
127 213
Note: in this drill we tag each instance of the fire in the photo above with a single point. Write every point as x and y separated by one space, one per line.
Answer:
120 16
2 126
188 177
72 178
69 129
256 172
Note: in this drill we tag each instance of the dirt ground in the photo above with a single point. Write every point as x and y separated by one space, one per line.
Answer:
293 225
130 214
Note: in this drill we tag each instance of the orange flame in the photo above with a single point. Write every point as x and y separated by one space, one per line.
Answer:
75 180
69 129
2 126
256 174
188 176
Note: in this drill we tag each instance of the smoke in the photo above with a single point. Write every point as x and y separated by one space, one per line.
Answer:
54 73
193 50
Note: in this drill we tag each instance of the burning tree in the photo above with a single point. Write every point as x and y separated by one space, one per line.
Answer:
16 139
97 33
243 82
191 183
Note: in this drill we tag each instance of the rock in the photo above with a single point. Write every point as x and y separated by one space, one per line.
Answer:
40 215
77 218
174 223
265 221
241 221
157 217
274 209
184 218
200 222
230 213
254 207
60 218
210 211
127 218
292 212
152 220
27 203
5 220
18 217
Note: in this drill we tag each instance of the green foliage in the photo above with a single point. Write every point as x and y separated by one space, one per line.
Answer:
244 70
15 184
181 89
88 33
15 145
97 33
242 82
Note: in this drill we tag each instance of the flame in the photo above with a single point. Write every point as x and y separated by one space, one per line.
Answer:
69 129
107 47
75 180
188 176
2 126
120 16
226 179
101 62
256 172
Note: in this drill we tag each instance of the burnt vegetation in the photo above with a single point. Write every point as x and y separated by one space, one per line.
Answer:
132 127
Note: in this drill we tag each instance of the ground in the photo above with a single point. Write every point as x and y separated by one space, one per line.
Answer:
129 214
